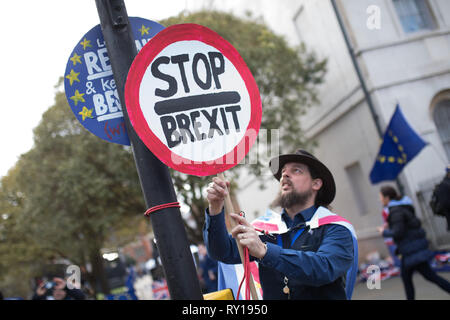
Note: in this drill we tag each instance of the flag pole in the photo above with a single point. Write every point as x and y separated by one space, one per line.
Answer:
230 208
362 82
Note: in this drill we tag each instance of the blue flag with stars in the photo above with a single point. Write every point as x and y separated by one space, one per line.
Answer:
400 145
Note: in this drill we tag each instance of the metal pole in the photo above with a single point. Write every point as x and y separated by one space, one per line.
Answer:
366 92
156 182
358 70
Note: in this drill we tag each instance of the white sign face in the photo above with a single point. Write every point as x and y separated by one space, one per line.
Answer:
208 109
193 101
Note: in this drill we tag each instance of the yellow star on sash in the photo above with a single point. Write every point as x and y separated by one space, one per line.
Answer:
75 59
144 30
86 43
86 113
73 76
77 97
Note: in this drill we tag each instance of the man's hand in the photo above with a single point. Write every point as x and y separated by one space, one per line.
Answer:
248 237
217 190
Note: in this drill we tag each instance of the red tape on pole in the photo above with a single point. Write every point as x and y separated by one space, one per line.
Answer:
162 206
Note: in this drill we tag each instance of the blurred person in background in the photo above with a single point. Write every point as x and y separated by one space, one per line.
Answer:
440 200
405 228
208 270
392 248
57 290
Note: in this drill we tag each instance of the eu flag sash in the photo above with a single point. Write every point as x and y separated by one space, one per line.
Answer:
400 145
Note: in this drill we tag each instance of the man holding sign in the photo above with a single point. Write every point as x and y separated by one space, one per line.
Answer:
195 105
315 259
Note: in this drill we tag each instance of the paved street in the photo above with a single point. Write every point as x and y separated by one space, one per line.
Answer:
392 289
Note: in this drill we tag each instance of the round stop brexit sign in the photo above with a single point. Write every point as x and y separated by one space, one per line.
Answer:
193 101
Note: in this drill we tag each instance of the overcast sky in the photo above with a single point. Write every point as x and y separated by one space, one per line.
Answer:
37 38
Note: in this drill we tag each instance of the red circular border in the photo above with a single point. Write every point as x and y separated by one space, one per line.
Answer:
165 37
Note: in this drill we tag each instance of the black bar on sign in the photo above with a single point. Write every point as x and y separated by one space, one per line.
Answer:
196 102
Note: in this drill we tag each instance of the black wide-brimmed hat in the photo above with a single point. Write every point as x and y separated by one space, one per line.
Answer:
326 195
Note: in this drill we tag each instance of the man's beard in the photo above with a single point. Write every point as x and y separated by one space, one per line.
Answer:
294 198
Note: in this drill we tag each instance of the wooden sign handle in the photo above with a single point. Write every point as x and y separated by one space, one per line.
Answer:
230 208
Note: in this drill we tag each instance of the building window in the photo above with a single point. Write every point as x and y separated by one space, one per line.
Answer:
415 15
358 185
441 115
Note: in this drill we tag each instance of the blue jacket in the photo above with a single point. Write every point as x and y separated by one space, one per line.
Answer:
315 263
405 228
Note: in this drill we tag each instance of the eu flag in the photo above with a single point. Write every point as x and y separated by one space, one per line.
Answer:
400 145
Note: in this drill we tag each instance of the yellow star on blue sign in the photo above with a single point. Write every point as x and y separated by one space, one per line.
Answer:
73 76
86 113
144 30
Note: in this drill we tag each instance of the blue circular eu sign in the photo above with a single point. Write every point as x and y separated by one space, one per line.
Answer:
89 83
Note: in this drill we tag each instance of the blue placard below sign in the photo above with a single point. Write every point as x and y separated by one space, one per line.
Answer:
89 83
